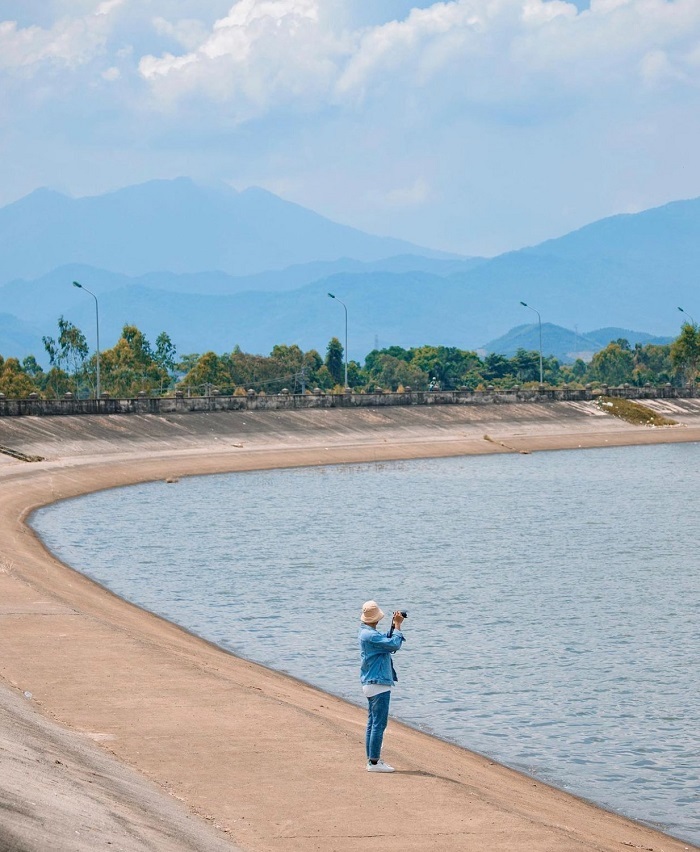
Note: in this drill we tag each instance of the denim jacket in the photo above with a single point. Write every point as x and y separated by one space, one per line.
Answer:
375 653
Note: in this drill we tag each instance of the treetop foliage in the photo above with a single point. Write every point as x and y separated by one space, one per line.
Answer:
132 365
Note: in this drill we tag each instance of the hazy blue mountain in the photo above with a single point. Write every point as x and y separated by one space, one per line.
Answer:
624 272
296 276
565 344
383 309
632 270
256 321
41 302
603 336
48 292
178 226
661 242
19 339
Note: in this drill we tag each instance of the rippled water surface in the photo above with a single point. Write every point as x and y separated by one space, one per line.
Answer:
554 616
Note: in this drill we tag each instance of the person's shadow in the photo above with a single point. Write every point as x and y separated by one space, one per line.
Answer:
421 773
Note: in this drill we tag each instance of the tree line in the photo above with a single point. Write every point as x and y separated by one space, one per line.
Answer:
133 365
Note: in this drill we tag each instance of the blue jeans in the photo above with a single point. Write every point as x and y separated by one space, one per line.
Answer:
377 718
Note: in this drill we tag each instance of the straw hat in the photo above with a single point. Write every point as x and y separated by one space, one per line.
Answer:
371 613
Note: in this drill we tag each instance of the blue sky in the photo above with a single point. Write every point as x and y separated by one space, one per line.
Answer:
475 126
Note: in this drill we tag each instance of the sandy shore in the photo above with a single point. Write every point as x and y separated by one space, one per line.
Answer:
139 735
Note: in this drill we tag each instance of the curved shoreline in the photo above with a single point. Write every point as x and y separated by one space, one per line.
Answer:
276 763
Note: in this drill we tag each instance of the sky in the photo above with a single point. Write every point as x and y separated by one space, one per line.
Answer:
473 126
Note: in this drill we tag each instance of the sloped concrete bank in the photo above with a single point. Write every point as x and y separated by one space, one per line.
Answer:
540 424
258 759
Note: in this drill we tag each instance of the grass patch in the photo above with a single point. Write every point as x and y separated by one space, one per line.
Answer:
633 412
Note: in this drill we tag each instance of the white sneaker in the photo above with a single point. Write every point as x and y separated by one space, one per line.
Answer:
379 766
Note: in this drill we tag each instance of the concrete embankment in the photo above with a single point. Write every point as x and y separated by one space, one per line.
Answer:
527 425
255 758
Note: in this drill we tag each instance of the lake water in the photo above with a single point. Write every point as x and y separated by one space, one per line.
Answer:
554 615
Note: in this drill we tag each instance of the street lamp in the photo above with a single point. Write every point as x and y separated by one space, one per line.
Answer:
97 323
346 335
687 314
539 321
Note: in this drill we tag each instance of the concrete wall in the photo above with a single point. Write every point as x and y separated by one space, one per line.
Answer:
290 402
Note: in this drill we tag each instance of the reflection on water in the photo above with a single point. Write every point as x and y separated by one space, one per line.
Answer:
553 598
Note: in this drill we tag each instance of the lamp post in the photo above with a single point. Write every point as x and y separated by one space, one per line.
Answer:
97 324
539 321
346 335
687 314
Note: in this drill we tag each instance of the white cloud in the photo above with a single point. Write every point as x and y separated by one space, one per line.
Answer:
413 194
108 6
267 53
306 55
189 32
264 53
69 42
431 120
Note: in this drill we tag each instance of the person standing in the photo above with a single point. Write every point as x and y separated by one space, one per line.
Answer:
377 677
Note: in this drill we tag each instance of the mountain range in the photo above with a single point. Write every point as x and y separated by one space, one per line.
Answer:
177 226
215 268
566 344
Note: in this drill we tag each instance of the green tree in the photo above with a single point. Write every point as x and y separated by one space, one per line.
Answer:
14 382
652 363
324 380
32 367
579 369
313 363
390 372
612 365
281 369
57 382
551 369
131 366
334 360
288 363
70 350
685 352
68 356
245 370
473 379
496 366
394 351
186 362
356 375
165 352
209 371
525 366
448 364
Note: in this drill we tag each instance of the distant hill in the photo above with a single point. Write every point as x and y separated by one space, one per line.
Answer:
180 227
19 339
300 274
382 306
49 290
631 270
383 309
566 345
626 271
603 336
